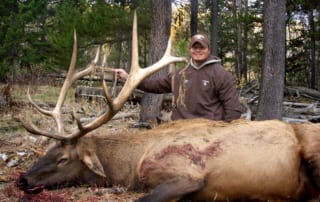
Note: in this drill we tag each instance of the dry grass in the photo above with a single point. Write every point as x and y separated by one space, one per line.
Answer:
39 93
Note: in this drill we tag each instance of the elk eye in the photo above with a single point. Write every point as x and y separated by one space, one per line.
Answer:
62 161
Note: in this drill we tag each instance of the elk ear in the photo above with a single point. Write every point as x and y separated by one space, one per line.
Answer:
94 164
89 157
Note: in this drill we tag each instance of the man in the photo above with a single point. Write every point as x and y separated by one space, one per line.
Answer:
203 89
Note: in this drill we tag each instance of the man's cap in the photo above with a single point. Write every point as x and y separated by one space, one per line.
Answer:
200 38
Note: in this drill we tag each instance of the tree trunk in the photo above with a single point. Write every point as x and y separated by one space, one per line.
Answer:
214 28
194 17
151 104
244 71
239 53
234 11
118 48
317 52
273 61
312 50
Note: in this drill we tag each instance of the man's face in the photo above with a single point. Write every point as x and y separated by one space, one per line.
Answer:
199 53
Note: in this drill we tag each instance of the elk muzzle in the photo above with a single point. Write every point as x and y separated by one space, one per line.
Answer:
23 184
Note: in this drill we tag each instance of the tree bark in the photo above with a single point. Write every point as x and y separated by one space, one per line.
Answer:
244 70
239 51
151 104
273 61
317 43
312 50
194 17
214 28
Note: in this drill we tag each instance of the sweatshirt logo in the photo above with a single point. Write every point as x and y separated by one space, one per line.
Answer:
205 82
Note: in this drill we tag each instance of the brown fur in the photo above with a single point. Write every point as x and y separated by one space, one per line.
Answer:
209 160
310 147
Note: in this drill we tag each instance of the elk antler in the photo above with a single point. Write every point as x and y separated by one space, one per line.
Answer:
136 75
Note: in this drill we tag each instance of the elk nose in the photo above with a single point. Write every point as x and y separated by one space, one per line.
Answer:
22 182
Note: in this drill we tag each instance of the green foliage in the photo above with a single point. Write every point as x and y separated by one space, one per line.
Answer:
96 23
4 69
39 33
67 19
182 48
22 40
300 35
10 33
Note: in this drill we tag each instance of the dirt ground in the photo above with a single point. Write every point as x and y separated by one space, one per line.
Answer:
19 150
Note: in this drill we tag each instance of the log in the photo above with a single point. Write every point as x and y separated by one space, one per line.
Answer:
97 92
116 117
298 91
109 76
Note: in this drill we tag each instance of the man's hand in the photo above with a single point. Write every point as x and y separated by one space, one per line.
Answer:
122 74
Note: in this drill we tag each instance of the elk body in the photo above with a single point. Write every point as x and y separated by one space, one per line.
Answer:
197 159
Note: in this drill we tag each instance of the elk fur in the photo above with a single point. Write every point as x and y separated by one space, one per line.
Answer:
205 160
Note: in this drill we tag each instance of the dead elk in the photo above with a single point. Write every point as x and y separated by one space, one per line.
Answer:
196 159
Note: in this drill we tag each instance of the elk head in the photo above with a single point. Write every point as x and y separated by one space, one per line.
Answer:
67 160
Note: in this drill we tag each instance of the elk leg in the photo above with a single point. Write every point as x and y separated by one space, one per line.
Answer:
173 189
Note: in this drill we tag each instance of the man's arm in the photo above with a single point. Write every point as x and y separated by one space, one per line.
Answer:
230 98
159 85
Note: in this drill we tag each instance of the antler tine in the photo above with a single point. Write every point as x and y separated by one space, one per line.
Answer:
135 50
71 77
136 75
56 112
30 127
